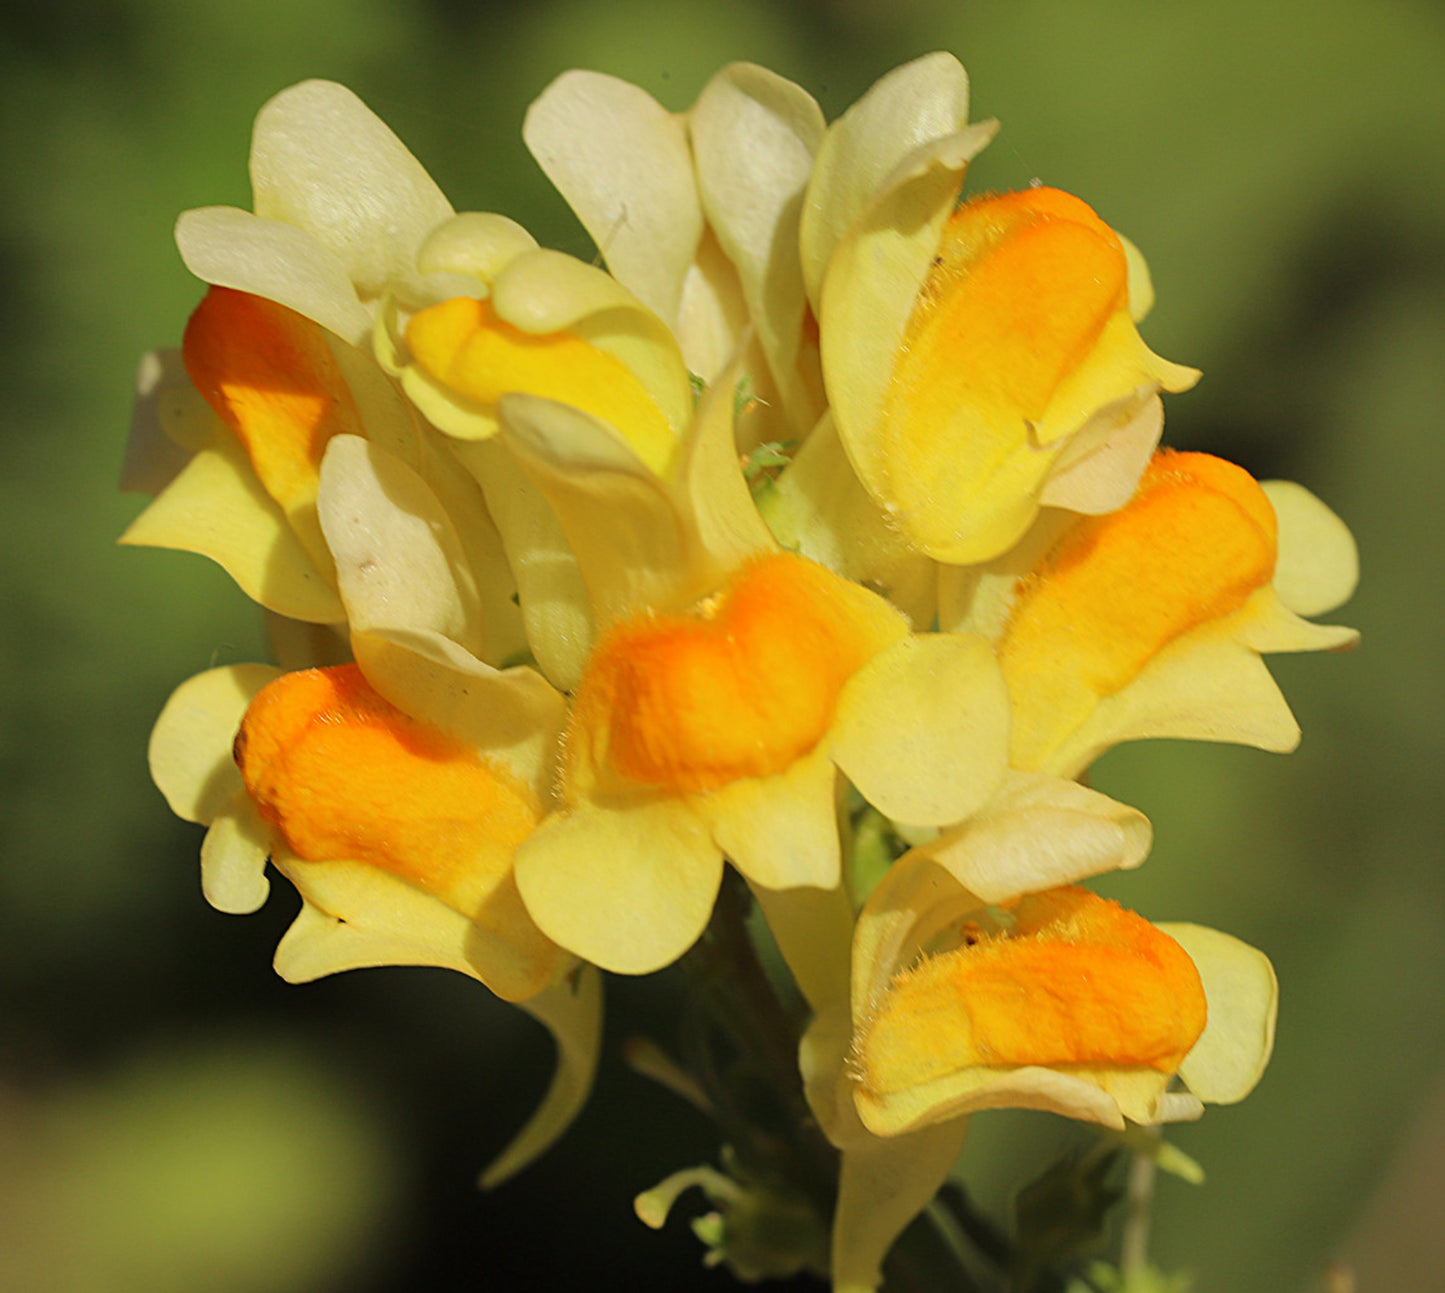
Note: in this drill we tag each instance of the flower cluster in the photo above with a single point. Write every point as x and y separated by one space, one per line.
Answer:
831 512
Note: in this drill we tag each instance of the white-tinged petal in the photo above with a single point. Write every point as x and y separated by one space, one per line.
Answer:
323 161
628 888
780 831
1039 833
922 729
1318 564
754 136
190 747
399 562
623 163
169 422
233 858
233 248
885 1183
1099 469
916 899
1243 994
217 507
571 1010
913 105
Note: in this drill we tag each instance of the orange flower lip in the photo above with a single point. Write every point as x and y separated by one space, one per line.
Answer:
271 377
1021 289
1077 980
345 775
1022 286
741 687
1196 540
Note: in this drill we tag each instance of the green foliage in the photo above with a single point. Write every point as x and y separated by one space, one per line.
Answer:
1060 1217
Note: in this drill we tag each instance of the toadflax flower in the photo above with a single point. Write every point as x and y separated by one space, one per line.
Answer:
983 977
398 833
974 357
729 679
1150 621
556 656
258 394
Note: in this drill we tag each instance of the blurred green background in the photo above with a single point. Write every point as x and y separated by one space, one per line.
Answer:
172 1117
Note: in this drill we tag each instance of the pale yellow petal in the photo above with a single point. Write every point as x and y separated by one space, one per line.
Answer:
622 162
913 105
233 248
883 1186
323 161
969 1090
780 831
1205 687
634 548
712 315
1243 994
922 729
716 501
1099 469
813 929
475 244
217 507
190 747
1039 833
1267 625
1141 283
571 1010
169 422
628 888
233 858
355 916
551 593
1318 565
399 562
754 136
868 297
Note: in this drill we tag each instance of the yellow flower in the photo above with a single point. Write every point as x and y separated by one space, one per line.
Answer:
972 356
983 978
727 683
263 392
1150 621
398 833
